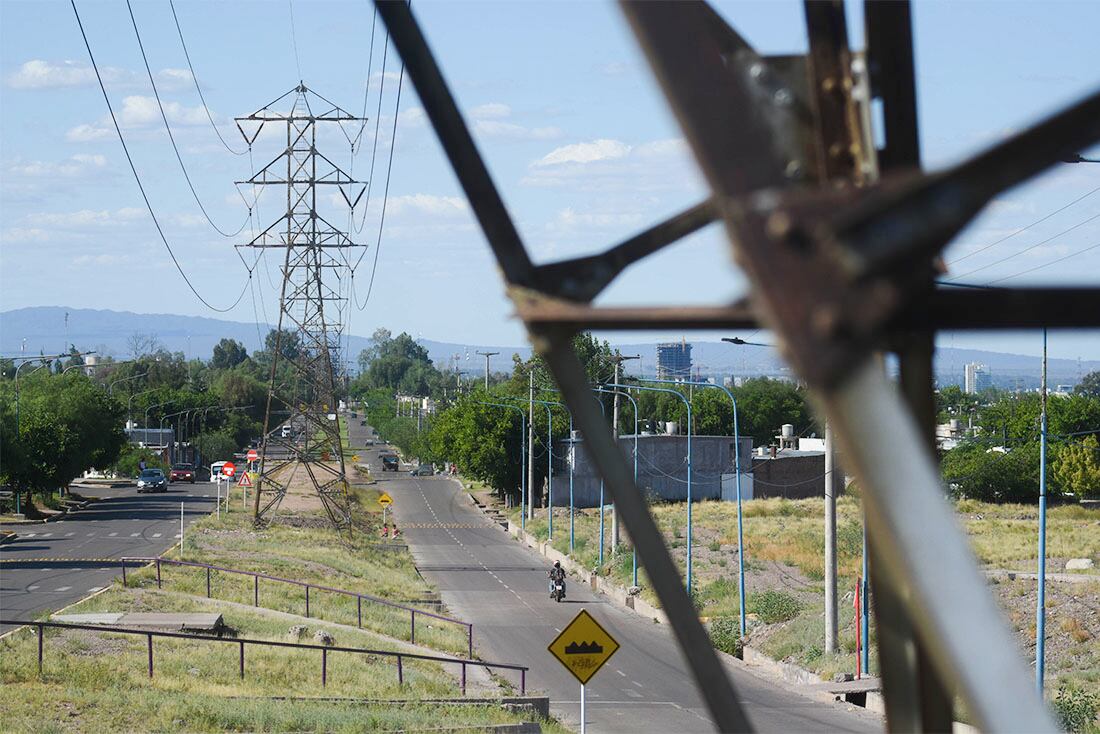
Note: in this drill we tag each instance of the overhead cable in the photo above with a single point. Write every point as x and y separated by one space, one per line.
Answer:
1048 264
172 138
137 178
1026 249
1023 229
195 79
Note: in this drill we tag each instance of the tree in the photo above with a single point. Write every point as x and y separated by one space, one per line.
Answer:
288 341
764 405
974 471
483 441
1089 385
1076 468
67 425
228 353
141 345
216 445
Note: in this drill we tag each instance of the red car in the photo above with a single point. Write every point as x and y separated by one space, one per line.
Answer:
182 473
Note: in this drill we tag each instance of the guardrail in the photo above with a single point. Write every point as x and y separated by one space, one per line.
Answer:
256 576
399 657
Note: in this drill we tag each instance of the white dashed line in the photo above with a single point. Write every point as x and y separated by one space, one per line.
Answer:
111 535
69 535
30 535
45 535
157 535
178 535
134 535
32 588
632 693
63 588
621 673
96 588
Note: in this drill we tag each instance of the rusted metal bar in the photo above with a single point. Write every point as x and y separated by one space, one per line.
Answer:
242 660
207 583
158 574
464 679
412 627
307 602
400 672
256 590
149 641
469 641
583 278
324 667
523 682
123 574
540 311
359 610
41 631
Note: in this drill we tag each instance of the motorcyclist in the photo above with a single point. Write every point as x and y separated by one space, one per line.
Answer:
556 574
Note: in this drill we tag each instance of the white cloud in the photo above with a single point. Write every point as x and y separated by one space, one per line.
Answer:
512 131
73 167
84 218
429 204
569 219
18 235
376 78
87 134
491 111
138 110
412 118
40 74
597 150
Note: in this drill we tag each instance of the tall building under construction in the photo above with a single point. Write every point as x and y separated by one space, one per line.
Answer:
674 361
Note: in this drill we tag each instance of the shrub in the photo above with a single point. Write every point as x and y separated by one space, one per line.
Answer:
1075 708
773 606
725 635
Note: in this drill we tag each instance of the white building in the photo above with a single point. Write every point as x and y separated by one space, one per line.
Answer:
977 378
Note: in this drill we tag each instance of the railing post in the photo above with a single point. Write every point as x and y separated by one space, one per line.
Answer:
307 602
400 672
464 679
412 626
208 582
523 682
470 640
324 667
359 609
158 573
41 631
124 574
242 660
255 590
149 638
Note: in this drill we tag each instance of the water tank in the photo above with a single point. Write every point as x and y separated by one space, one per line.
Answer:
954 423
788 430
671 428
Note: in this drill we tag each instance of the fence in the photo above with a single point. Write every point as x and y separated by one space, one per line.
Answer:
256 576
399 657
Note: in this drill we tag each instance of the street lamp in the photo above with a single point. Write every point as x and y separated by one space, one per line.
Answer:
689 425
739 341
522 458
633 402
111 385
549 459
737 480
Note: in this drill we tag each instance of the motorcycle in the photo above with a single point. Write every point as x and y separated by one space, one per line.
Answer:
557 590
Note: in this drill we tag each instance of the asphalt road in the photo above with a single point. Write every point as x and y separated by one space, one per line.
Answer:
125 523
488 578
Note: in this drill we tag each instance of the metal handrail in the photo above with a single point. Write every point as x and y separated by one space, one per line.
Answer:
325 649
413 611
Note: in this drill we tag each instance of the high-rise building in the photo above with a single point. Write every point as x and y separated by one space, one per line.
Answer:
674 361
977 378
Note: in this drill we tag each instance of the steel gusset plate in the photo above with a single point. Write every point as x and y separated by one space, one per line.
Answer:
829 268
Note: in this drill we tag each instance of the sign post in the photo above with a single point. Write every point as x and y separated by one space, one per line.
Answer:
244 483
385 500
583 647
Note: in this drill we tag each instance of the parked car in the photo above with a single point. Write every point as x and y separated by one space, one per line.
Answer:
152 480
389 463
216 470
369 442
182 473
424 470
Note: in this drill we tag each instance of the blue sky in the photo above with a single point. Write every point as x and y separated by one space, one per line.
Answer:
562 105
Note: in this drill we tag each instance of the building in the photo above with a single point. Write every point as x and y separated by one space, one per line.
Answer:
674 361
977 378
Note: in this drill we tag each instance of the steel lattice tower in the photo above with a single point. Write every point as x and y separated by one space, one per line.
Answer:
303 369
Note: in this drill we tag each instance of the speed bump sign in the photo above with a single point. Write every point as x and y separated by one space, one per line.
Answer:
385 500
583 647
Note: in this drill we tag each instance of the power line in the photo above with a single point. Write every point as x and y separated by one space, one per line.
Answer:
374 147
137 178
294 39
195 79
1024 229
1048 264
386 193
172 138
1026 249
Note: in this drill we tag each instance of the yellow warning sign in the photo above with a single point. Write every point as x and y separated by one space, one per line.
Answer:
583 647
245 480
385 499
355 458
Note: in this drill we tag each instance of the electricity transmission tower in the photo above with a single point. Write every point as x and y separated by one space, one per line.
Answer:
305 357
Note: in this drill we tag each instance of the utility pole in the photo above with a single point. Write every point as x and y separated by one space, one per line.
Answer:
486 355
308 299
1041 601
831 616
618 359
531 445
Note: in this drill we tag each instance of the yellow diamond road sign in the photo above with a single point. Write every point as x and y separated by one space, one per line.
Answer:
385 499
583 647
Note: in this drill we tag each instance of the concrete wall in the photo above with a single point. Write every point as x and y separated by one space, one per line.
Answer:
662 468
792 477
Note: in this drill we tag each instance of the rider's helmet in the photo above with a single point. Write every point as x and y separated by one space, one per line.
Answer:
557 564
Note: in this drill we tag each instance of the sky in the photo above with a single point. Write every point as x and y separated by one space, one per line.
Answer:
562 105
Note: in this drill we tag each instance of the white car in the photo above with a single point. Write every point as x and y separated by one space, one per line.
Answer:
216 470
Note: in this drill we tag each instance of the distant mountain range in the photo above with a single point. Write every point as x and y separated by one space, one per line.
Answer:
47 330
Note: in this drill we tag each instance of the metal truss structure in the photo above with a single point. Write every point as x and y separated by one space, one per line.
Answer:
841 244
315 254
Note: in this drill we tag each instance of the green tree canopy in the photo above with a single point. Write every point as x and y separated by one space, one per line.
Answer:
1076 468
1089 385
228 353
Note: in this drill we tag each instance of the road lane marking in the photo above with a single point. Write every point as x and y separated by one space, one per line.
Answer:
96 588
178 535
63 588
69 535
157 535
632 693
30 535
45 535
134 535
32 588
111 535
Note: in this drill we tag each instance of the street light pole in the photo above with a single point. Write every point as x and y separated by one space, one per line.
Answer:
628 396
1040 606
487 355
618 359
111 385
522 455
687 403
